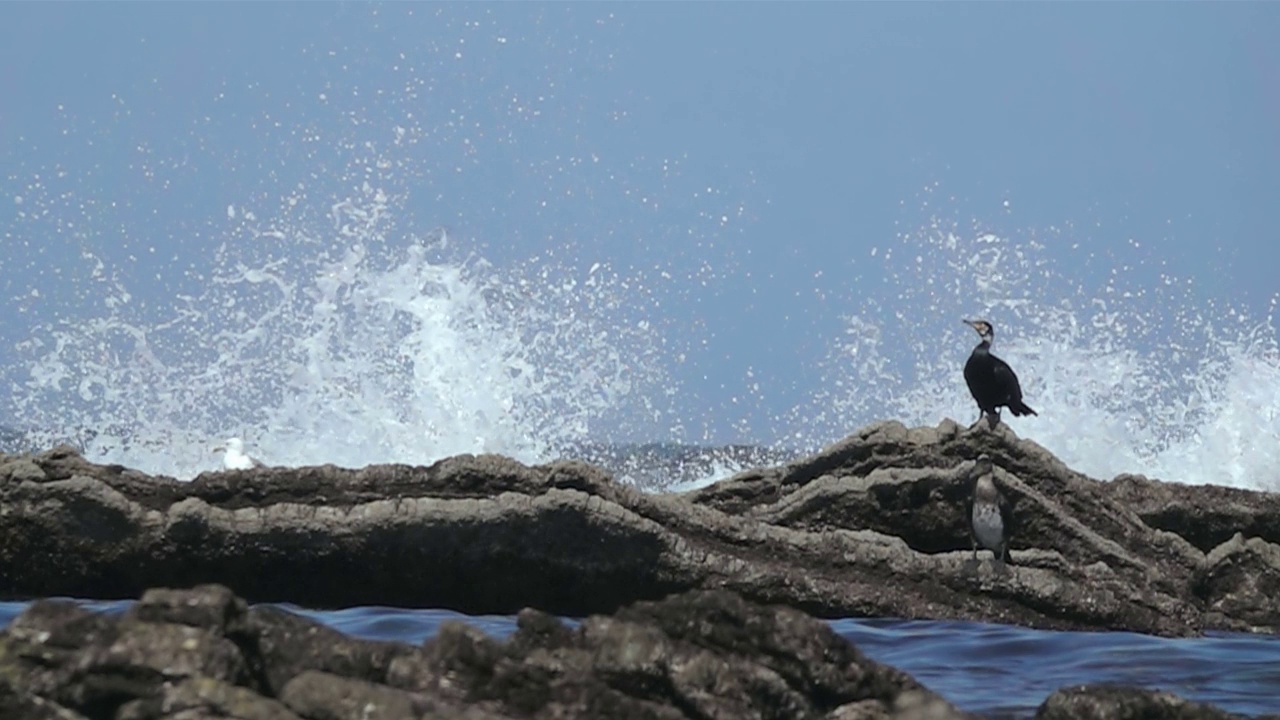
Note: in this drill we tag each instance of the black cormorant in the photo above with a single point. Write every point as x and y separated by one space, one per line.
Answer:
991 380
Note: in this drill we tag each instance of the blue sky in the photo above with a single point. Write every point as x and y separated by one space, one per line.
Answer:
820 130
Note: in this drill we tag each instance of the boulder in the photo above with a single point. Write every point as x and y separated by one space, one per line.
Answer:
1113 702
1241 580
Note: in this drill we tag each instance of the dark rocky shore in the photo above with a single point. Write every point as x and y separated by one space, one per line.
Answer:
872 526
203 653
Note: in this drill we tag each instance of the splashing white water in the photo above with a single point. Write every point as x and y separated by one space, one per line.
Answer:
356 352
326 332
1126 377
353 354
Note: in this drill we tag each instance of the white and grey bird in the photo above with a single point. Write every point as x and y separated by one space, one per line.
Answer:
990 516
235 458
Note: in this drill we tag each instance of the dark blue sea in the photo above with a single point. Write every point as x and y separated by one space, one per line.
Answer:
995 670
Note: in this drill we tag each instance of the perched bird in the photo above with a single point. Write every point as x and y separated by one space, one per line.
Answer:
235 458
991 381
990 516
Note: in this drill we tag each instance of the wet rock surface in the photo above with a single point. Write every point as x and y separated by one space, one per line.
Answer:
204 653
697 655
1111 702
876 525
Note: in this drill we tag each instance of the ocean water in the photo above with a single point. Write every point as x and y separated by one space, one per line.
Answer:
997 671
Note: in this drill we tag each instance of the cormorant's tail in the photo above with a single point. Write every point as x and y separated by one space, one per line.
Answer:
1020 408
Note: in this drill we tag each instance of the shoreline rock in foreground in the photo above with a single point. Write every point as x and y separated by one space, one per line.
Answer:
203 653
873 526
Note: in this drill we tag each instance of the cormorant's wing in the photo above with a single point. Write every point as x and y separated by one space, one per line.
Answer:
1007 379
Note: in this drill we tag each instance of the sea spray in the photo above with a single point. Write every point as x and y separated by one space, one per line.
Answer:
1131 369
352 351
341 342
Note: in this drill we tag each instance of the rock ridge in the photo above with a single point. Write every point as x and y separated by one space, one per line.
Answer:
874 525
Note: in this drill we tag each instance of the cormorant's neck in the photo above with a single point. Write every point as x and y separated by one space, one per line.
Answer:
984 346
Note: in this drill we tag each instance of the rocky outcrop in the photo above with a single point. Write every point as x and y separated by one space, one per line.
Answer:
1204 515
874 525
203 653
1112 702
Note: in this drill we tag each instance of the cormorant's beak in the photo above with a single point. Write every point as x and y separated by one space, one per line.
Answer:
970 323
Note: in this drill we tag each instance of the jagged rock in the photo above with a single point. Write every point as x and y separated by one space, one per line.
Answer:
707 654
289 645
1077 557
1111 702
205 697
323 696
1241 579
1205 515
874 525
21 705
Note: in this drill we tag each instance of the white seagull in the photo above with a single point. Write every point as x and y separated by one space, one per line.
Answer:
235 458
